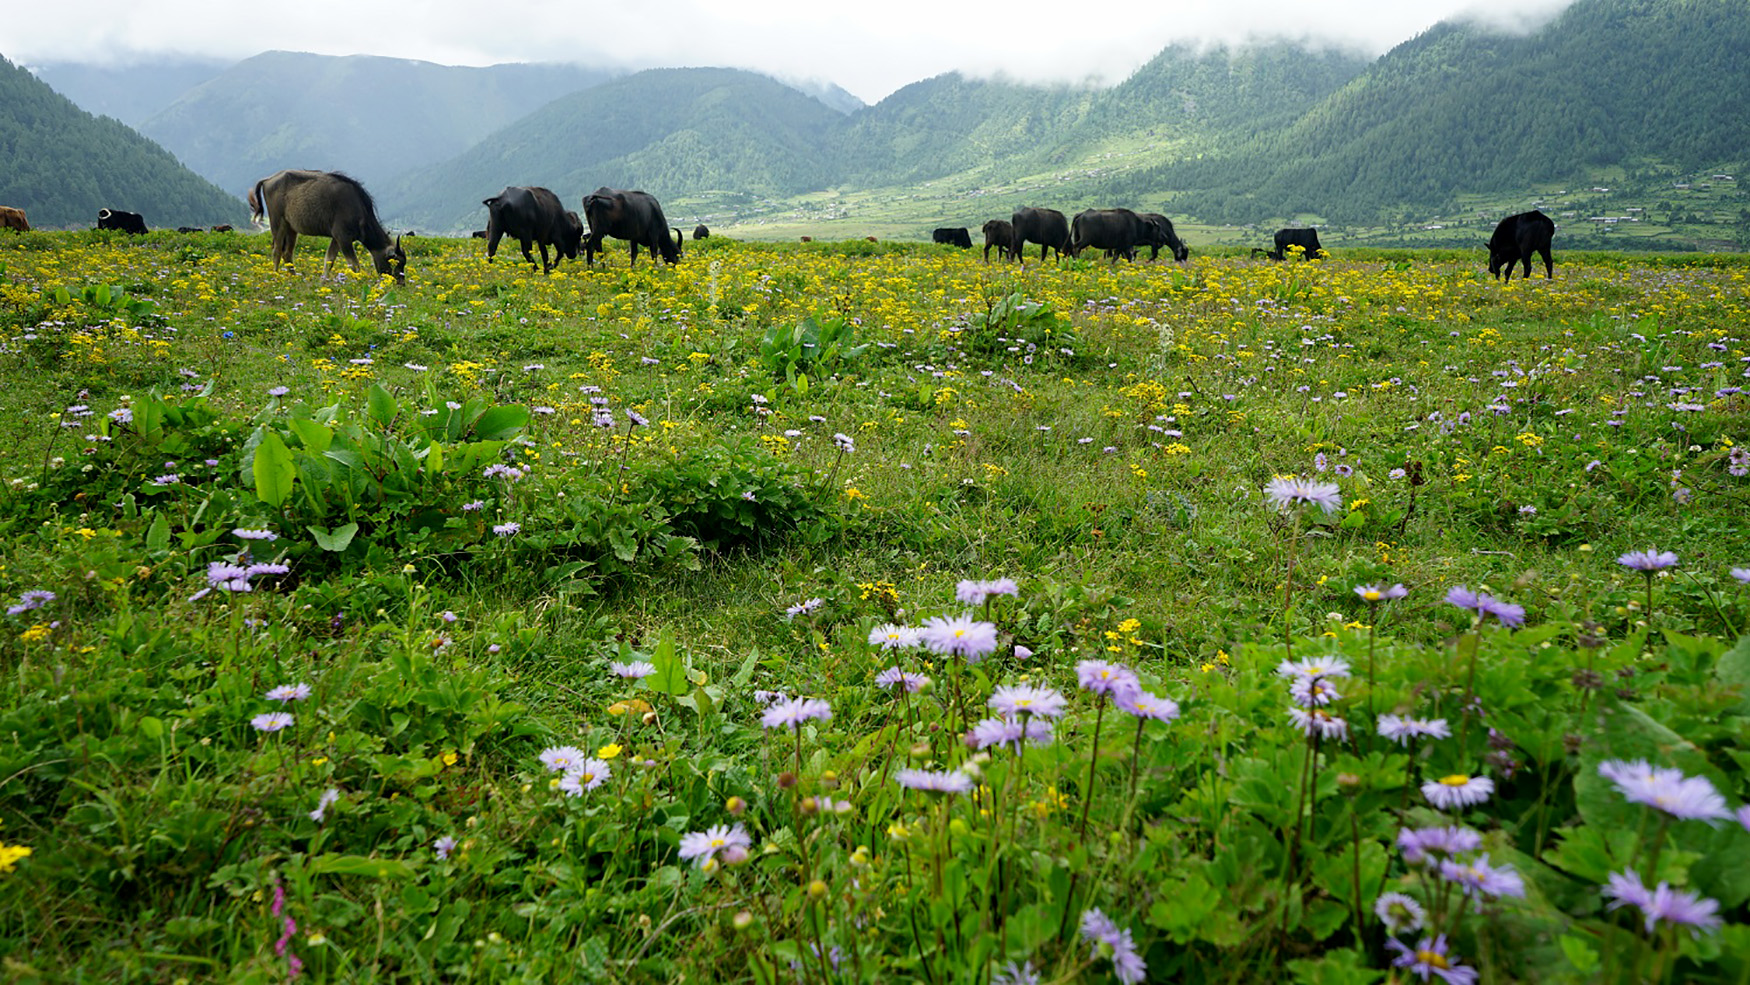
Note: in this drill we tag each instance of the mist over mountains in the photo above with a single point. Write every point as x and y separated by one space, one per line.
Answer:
1255 134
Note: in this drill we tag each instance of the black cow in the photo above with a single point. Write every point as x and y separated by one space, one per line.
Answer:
532 215
1306 239
1117 231
999 233
478 234
1516 239
633 216
700 232
1047 227
127 222
1160 233
952 237
325 203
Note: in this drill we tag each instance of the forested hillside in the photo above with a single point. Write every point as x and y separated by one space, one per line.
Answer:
675 131
131 93
374 118
1459 109
61 164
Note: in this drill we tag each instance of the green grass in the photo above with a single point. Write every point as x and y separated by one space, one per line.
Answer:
1100 434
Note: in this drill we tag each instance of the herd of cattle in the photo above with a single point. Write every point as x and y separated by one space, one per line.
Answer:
333 205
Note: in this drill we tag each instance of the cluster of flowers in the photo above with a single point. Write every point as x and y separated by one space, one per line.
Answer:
1311 690
285 694
234 575
35 599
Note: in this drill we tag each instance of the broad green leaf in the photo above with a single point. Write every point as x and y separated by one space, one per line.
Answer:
337 540
274 470
315 437
671 670
380 405
502 423
158 535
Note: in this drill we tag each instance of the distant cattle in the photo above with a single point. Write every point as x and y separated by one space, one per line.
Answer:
478 234
325 203
13 218
1047 227
1306 239
188 229
999 233
127 222
952 237
869 238
1160 233
224 227
1516 239
633 216
808 239
532 215
700 232
1117 231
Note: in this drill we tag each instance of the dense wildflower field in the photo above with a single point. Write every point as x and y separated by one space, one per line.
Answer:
862 612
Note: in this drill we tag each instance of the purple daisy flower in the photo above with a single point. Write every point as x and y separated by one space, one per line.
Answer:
1145 705
1402 730
1429 958
1105 678
888 636
1478 878
934 781
961 636
272 721
1458 791
587 775
1318 722
1289 493
1419 845
1376 593
1023 699
1648 562
795 711
288 692
1674 906
444 846
1399 912
1686 798
913 683
703 846
636 670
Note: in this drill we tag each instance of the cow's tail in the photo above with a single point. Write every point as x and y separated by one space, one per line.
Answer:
257 202
678 240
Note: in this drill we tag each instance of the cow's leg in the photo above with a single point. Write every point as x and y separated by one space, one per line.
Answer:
1526 273
545 266
289 244
634 245
527 256
492 239
352 257
328 261
1549 265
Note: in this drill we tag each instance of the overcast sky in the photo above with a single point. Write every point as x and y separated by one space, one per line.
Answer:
870 47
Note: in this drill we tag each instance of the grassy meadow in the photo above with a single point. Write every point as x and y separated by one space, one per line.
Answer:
861 612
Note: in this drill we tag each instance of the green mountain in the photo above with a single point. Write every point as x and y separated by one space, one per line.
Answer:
1465 110
130 93
61 164
715 133
374 118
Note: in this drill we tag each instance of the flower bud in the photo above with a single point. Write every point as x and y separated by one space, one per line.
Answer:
743 920
733 855
786 780
817 890
735 806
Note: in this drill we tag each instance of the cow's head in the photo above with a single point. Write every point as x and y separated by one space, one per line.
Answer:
392 261
570 236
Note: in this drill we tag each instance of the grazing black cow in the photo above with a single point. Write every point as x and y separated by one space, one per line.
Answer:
700 232
807 239
633 216
1117 231
532 215
223 227
478 234
999 233
1160 233
325 203
1306 239
188 229
127 222
952 237
1047 227
1516 239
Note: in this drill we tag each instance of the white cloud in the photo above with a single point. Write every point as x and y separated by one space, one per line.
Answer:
870 49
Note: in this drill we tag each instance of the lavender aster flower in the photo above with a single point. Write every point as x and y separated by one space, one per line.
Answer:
1309 667
1458 791
1432 957
1018 700
289 692
1288 493
888 636
31 600
1478 878
1648 562
1319 722
507 529
795 711
1419 845
562 758
1106 679
1742 574
961 636
324 802
273 721
844 443
588 775
1312 692
934 781
1111 941
444 846
637 670
1145 705
1673 906
1686 798
1014 974
1376 593
1399 912
805 606
913 683
704 845
1401 730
